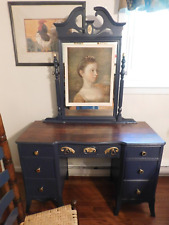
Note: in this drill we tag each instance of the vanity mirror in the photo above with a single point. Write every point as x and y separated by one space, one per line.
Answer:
90 70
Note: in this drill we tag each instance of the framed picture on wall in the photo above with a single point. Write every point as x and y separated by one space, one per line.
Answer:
89 73
34 35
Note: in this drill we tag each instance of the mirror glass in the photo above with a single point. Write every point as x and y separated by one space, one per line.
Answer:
90 69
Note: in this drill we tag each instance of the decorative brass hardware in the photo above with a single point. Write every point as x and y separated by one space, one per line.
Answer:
141 171
38 170
113 150
36 153
89 29
143 153
41 189
138 192
67 150
89 150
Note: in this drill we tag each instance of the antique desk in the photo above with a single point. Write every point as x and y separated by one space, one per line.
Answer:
92 127
44 149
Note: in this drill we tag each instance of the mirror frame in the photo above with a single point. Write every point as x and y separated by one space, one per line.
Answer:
109 32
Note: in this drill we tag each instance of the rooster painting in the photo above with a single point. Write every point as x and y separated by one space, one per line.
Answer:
41 35
43 38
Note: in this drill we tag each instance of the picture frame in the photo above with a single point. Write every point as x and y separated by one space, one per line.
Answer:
88 82
34 35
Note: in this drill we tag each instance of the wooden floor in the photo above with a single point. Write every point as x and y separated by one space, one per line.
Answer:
95 202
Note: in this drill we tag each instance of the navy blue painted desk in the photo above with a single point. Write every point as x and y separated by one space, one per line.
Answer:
44 149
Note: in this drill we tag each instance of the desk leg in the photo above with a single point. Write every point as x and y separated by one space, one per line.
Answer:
152 207
61 174
28 204
58 202
117 207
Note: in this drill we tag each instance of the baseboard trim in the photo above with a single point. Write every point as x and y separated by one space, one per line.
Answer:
164 171
18 169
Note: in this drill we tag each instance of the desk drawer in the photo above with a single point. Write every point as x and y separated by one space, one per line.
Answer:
38 168
36 150
84 150
142 152
140 169
41 188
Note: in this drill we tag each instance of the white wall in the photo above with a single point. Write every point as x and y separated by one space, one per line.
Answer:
150 105
28 93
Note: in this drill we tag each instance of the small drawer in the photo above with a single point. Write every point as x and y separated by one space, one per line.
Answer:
84 150
38 168
41 188
140 169
142 152
36 150
135 190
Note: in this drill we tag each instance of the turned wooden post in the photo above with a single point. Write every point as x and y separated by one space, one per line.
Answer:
119 116
8 164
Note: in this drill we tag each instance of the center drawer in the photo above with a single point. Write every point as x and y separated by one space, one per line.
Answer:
89 150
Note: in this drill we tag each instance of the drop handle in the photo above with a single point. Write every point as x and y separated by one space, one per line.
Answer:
112 150
89 150
67 150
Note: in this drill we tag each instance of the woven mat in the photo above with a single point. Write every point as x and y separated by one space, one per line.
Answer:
60 216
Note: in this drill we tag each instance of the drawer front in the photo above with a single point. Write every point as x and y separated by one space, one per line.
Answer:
135 190
140 169
84 150
142 152
37 167
36 150
41 188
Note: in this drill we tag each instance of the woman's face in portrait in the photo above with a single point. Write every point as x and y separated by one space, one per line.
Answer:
90 72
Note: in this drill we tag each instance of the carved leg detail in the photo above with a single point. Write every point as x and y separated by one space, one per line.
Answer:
117 207
152 208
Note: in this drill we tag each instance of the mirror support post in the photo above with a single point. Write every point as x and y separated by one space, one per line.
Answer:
57 81
119 115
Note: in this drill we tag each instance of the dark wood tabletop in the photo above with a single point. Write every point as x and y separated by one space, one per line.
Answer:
138 133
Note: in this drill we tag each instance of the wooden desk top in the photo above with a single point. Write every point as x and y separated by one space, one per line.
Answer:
139 133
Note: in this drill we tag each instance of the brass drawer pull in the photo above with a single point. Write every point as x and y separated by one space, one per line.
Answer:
113 150
141 171
38 170
143 153
67 150
36 153
41 189
89 150
138 192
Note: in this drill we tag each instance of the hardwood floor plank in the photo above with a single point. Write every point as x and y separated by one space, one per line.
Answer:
95 202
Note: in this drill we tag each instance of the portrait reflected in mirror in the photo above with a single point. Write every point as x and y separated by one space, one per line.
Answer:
91 91
89 75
